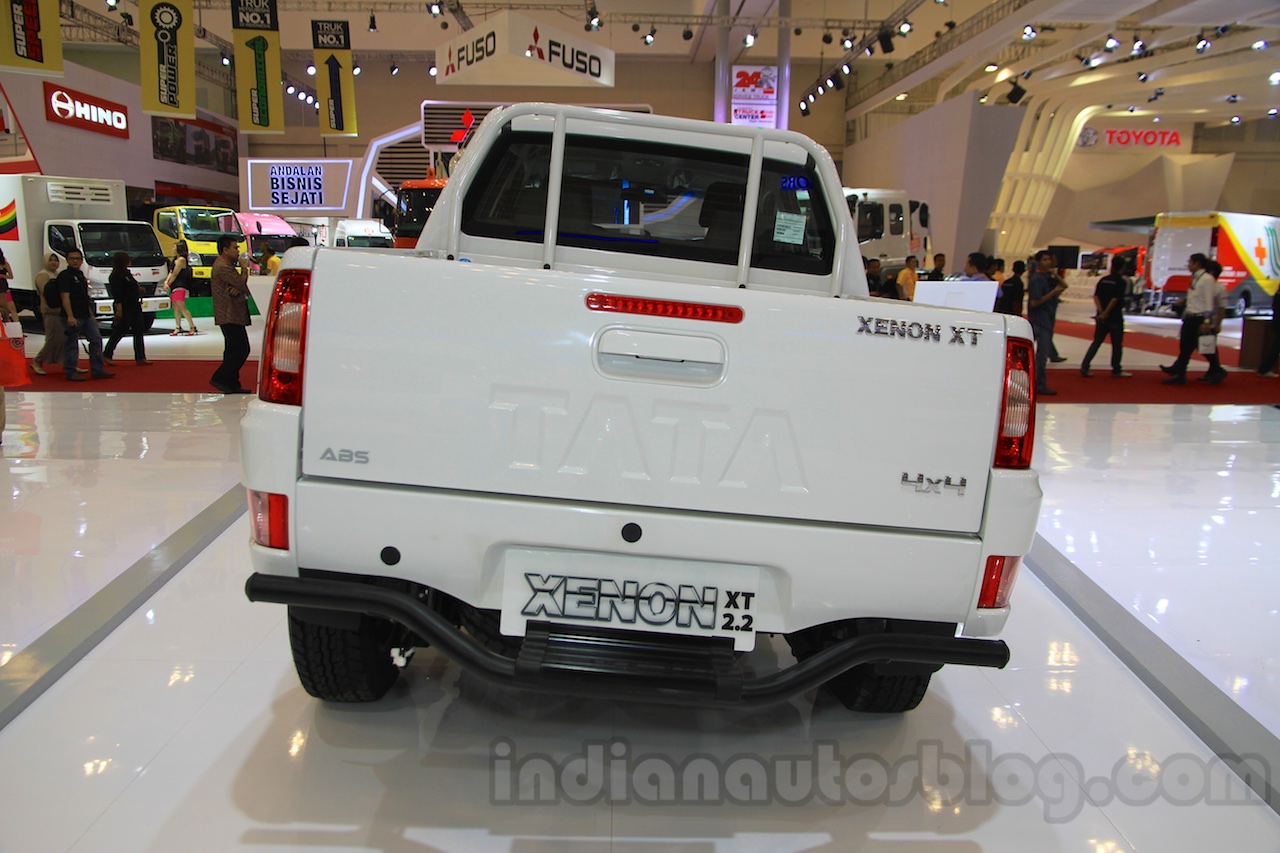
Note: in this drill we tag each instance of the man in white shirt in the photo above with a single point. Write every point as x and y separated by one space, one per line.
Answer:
1205 308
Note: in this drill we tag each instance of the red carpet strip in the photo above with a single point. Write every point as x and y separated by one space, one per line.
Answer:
161 377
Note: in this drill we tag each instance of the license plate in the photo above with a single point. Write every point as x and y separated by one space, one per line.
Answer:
665 596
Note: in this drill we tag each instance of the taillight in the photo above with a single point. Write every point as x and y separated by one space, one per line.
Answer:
997 581
1016 438
664 308
269 519
284 343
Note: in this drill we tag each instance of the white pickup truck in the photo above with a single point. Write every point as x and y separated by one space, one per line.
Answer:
616 431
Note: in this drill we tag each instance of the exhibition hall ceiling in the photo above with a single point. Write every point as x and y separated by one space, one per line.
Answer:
1209 60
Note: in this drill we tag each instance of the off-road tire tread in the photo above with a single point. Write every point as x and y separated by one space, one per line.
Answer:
482 625
343 665
862 689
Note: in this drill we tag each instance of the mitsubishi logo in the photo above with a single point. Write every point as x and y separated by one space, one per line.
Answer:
452 67
63 104
468 119
533 48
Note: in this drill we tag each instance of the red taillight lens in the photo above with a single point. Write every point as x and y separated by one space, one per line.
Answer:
664 308
1017 435
269 519
997 581
284 344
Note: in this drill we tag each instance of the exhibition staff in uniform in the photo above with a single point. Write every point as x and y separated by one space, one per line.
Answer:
77 310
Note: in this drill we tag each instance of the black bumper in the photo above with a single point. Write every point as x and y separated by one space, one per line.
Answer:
605 662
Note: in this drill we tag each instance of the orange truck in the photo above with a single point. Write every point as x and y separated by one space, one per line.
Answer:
1246 245
415 199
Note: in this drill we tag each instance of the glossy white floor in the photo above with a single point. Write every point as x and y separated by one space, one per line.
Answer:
185 729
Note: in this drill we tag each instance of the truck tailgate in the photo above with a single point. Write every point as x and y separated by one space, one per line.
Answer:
503 380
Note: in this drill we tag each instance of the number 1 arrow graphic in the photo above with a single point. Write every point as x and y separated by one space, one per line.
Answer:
259 46
336 119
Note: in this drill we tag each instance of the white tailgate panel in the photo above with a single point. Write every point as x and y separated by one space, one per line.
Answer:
498 379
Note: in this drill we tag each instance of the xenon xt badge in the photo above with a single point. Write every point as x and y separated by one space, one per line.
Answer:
912 330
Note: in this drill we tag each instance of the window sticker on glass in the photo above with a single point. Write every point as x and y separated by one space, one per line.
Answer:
789 228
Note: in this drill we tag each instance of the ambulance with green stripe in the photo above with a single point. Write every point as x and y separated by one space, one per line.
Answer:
1246 244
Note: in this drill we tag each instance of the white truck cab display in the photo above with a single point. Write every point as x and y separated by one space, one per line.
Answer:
606 458
55 215
890 226
361 234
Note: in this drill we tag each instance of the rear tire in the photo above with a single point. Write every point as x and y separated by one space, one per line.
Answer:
345 664
862 689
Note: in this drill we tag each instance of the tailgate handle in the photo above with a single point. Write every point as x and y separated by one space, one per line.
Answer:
660 357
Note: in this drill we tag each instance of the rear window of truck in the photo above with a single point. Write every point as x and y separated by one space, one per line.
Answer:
652 199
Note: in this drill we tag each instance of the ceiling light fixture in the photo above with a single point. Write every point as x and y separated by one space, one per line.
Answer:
648 37
1016 93
290 89
127 18
1271 113
1142 77
302 96
885 38
1202 43
395 69
355 70
311 69
226 60
687 34
1138 45
112 4
1233 99
1112 43
1029 32
901 96
433 70
373 23
593 17
750 38
1260 44
1235 119
847 43
991 66
826 38
904 28
435 10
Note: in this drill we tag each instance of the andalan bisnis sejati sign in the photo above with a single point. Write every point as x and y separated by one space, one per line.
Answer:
298 185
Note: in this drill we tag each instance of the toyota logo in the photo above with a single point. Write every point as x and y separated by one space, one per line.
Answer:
63 105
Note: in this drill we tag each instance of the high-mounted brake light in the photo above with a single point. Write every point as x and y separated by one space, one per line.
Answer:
997 581
269 519
284 343
1017 435
664 308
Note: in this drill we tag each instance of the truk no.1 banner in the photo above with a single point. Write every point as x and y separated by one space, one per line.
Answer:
335 83
259 98
32 37
167 48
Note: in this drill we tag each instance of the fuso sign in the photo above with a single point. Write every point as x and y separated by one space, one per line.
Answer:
87 112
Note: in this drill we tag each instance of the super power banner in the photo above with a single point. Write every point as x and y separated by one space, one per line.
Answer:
335 84
167 47
32 37
259 98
